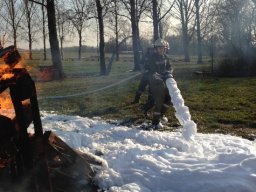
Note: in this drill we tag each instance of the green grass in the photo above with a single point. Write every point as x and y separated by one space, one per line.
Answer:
223 105
221 102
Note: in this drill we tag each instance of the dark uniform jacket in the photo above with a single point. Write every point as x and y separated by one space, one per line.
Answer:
160 64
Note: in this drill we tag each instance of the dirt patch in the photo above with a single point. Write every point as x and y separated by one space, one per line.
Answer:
239 130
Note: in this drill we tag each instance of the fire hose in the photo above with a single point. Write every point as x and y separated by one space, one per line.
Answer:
93 91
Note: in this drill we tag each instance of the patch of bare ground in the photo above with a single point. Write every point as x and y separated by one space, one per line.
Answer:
247 132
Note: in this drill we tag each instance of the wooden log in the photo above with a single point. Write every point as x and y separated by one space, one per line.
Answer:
69 170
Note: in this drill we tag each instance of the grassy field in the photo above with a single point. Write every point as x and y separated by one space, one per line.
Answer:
217 105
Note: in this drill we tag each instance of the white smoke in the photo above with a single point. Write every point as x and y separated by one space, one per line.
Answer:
182 112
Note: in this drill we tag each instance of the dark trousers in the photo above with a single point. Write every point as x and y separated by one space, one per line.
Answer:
161 96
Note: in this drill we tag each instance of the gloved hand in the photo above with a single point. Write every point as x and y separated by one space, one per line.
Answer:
168 75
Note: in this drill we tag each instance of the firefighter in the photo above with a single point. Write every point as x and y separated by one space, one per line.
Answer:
159 70
144 82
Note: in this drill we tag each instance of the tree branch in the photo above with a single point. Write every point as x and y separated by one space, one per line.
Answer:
167 11
37 3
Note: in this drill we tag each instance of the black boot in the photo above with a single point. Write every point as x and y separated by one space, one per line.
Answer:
156 124
148 105
136 98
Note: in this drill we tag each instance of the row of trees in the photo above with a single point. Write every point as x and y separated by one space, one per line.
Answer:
230 23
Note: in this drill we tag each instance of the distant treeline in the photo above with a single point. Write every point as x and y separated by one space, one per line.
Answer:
75 49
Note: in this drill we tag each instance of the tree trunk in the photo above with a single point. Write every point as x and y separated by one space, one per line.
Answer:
185 38
14 37
80 44
60 33
53 38
61 48
199 39
103 69
13 24
161 30
185 44
44 34
28 19
155 19
135 36
30 42
29 37
116 31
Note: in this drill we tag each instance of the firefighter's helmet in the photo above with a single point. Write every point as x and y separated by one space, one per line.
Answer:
161 43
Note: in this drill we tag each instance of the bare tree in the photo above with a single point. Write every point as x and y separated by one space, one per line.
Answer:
136 8
116 29
3 33
31 25
12 13
229 18
185 12
54 43
198 30
113 20
101 34
53 38
135 35
155 19
158 14
117 25
236 24
44 28
208 19
79 13
206 11
63 25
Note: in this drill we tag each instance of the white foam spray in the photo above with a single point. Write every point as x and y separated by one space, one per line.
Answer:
182 112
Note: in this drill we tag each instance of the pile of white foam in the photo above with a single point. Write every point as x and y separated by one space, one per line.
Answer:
182 112
154 161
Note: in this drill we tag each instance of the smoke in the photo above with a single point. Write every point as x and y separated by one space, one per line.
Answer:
182 112
7 184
